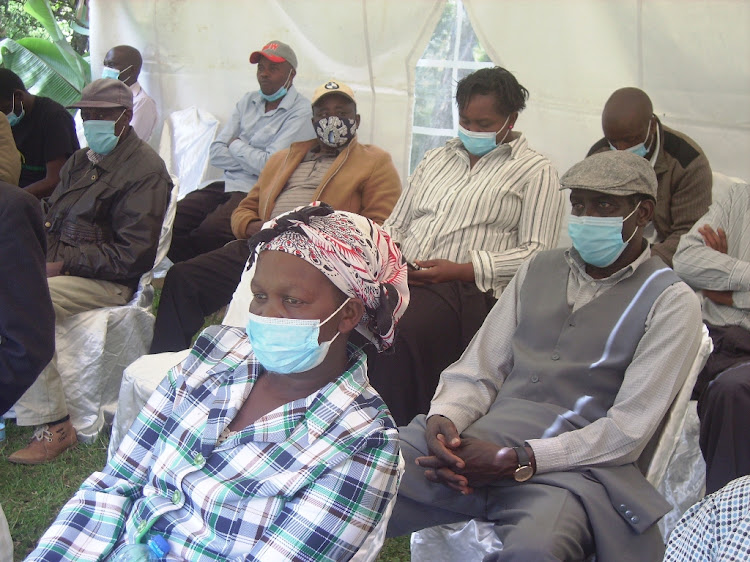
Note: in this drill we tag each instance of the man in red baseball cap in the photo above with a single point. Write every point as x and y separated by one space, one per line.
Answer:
263 122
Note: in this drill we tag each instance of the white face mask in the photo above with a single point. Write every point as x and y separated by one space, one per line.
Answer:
288 345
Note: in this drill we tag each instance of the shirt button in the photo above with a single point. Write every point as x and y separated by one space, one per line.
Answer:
198 459
534 378
555 356
176 497
93 176
142 526
47 224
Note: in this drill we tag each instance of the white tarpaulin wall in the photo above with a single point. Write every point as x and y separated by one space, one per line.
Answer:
691 56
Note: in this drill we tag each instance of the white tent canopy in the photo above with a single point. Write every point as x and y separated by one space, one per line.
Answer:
691 56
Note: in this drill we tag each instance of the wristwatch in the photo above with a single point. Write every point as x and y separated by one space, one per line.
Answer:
524 470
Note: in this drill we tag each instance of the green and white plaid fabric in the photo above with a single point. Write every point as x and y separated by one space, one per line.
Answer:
308 481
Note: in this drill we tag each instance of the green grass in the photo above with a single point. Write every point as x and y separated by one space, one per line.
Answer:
32 496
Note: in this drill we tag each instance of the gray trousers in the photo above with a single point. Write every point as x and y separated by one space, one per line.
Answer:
534 521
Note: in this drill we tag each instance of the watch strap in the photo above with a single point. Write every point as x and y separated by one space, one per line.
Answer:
523 456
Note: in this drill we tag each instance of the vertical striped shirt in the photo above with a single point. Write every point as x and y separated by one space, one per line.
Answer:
495 215
705 268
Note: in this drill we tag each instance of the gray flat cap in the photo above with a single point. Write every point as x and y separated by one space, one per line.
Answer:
617 172
105 93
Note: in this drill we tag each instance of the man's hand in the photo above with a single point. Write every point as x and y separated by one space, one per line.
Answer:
719 297
253 228
54 268
716 240
440 271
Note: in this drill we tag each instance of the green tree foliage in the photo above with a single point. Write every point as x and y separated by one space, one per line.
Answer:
16 24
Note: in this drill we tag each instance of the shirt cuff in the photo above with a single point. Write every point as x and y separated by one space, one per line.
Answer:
739 278
453 413
482 262
550 455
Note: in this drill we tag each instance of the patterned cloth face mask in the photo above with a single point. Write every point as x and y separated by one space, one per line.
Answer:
288 345
336 132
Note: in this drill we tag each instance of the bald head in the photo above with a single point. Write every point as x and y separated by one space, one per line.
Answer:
127 60
626 118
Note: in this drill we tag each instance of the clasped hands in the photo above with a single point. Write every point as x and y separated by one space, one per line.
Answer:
463 463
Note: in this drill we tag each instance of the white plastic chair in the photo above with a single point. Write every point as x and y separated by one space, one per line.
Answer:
141 378
471 540
185 142
94 347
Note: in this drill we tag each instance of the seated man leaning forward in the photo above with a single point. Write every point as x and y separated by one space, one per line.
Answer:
473 212
682 170
334 168
538 426
266 443
43 131
103 222
714 257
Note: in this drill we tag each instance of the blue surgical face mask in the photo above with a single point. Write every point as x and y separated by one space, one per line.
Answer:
14 119
334 131
640 148
599 239
109 72
288 345
101 135
278 94
480 143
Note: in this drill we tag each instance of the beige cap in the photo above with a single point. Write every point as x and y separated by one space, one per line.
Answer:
333 87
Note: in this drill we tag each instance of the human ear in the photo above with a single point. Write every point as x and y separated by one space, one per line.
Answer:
645 212
352 313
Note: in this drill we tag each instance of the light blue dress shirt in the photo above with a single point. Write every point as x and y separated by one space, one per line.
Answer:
259 134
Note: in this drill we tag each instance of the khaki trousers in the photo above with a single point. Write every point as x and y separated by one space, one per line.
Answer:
6 543
44 401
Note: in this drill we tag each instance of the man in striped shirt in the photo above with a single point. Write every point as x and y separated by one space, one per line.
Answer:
473 212
714 257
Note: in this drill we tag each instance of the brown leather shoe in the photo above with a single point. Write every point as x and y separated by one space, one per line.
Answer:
48 442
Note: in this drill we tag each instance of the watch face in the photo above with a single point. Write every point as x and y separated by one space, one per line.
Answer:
523 473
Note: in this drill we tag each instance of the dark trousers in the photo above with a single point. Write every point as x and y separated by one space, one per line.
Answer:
193 289
202 222
437 326
723 407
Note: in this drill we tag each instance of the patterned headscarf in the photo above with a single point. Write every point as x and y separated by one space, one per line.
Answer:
353 252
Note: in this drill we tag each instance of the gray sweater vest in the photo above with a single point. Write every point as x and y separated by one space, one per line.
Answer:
569 366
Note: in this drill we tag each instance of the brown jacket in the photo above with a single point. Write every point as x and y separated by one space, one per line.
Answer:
362 179
684 192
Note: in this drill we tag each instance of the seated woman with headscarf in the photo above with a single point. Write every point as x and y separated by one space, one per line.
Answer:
265 444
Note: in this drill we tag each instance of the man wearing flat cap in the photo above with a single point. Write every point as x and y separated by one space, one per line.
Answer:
568 378
334 168
263 122
102 222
